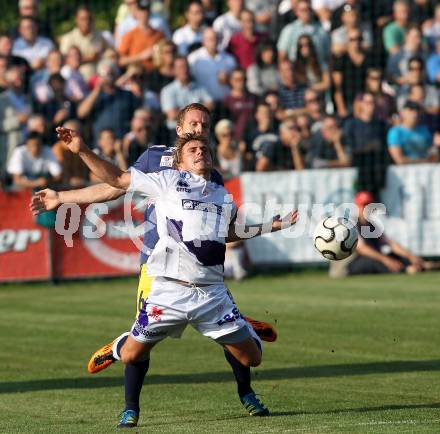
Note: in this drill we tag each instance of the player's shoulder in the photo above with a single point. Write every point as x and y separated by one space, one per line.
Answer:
155 158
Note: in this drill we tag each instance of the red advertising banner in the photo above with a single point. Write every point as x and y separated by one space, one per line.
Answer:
112 254
29 251
24 245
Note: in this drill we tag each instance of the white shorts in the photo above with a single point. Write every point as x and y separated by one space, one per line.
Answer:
171 306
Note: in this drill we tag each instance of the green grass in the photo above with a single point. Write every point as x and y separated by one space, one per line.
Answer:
354 355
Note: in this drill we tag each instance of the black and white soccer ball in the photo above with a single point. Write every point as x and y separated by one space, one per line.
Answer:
335 238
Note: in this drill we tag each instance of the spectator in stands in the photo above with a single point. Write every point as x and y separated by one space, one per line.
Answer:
181 92
350 21
365 137
394 32
327 149
410 142
76 85
291 93
243 44
29 45
397 66
429 118
210 12
58 108
229 151
385 103
273 100
16 102
229 23
256 132
107 105
132 81
314 110
126 20
163 73
431 29
137 45
109 148
74 172
262 76
282 154
37 124
307 69
283 15
40 90
229 155
138 139
189 37
3 69
416 76
349 72
30 8
14 113
422 12
377 255
210 67
288 40
264 11
90 42
239 104
324 10
33 165
11 59
433 64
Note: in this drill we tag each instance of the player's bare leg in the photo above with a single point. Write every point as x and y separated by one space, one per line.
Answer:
246 352
241 356
132 351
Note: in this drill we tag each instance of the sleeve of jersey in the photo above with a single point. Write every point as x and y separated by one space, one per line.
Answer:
151 184
142 163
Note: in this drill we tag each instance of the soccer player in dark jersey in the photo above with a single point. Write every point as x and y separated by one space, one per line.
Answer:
194 118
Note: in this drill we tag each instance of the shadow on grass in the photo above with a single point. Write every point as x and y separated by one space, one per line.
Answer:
389 407
393 367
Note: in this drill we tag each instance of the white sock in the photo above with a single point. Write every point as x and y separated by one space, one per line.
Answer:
115 345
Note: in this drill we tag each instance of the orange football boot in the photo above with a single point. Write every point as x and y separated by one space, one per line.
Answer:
264 330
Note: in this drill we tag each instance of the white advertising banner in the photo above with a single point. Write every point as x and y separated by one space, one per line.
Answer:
308 191
411 198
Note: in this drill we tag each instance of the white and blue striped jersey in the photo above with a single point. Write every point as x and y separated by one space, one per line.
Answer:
193 216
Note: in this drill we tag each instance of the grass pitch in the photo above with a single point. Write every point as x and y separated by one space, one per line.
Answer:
354 355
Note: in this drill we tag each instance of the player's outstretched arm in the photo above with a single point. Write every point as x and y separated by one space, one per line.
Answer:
107 172
47 199
245 232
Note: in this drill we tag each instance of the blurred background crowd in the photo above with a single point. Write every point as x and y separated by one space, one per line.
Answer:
292 85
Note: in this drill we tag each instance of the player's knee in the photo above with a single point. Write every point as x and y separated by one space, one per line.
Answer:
251 360
130 355
256 360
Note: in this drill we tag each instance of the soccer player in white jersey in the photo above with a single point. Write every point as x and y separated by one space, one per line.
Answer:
194 216
193 118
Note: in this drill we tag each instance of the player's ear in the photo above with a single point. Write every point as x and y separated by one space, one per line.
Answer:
179 130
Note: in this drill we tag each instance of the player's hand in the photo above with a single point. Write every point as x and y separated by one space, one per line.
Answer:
44 200
417 261
289 220
393 264
70 137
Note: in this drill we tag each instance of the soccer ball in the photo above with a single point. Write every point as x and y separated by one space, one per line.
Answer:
335 238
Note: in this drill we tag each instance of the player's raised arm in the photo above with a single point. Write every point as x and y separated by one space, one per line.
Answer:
107 172
47 199
244 232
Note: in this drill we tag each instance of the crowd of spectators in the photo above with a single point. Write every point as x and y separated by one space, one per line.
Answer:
292 85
